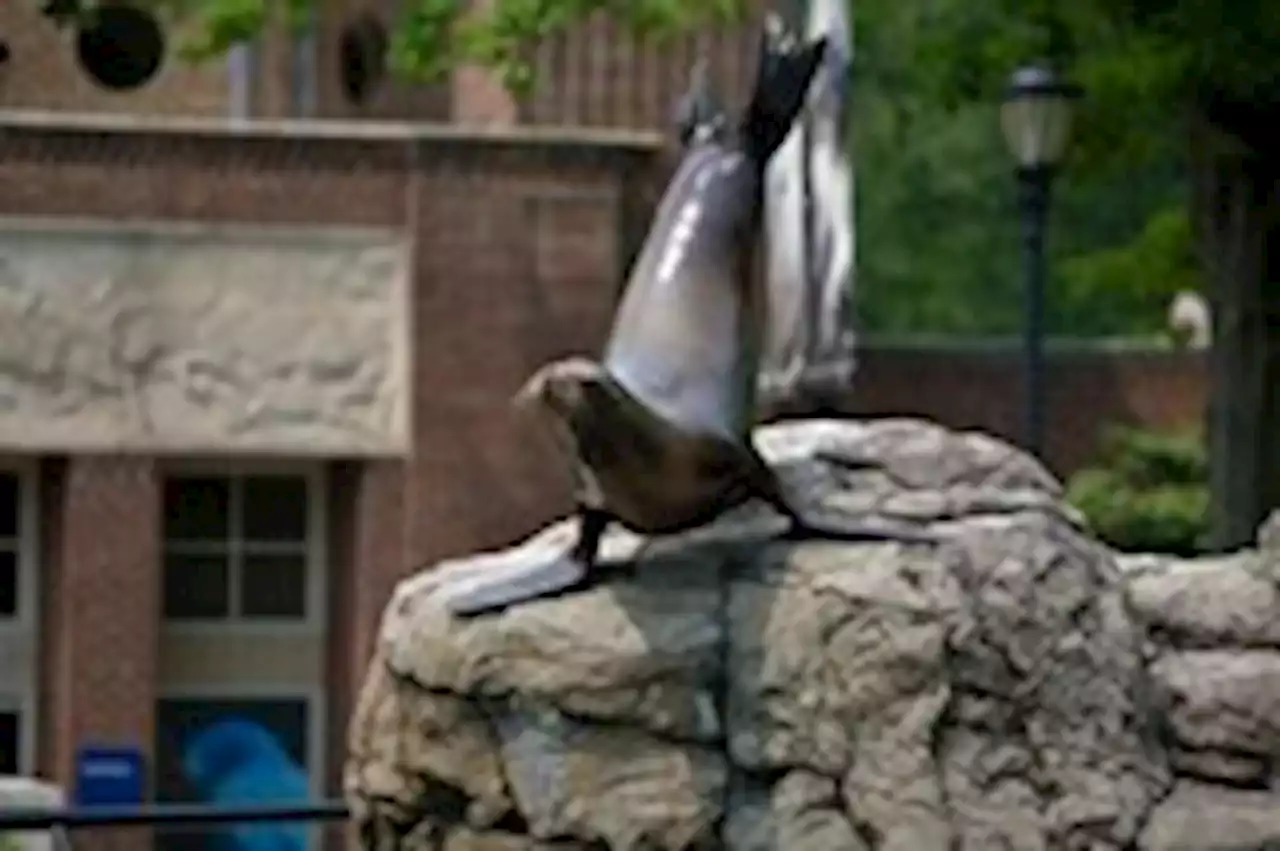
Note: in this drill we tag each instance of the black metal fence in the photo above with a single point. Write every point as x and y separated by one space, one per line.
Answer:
167 815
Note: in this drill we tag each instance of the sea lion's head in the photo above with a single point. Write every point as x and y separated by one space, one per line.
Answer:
561 388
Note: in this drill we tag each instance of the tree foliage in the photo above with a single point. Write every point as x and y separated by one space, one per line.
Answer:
938 230
431 37
935 182
1149 493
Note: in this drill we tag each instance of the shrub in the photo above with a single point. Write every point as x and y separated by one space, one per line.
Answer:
1149 493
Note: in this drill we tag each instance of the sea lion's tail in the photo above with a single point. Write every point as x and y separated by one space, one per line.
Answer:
785 69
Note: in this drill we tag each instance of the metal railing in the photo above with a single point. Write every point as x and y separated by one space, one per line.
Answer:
166 815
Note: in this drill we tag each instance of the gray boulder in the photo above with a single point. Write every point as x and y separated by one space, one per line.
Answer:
25 793
1016 686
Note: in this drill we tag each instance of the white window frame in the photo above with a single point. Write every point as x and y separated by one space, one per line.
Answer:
314 699
316 546
304 71
242 78
26 621
24 704
19 695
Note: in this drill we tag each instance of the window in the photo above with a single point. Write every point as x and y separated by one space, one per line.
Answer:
241 547
17 585
209 748
303 79
11 579
242 70
18 633
11 761
15 735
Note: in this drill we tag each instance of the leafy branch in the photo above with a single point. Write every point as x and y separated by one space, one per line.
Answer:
432 37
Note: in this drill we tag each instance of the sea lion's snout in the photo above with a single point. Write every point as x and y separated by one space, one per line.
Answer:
530 394
558 387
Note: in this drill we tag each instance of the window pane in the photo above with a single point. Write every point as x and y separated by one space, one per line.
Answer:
10 742
10 505
274 586
195 586
8 584
275 508
196 509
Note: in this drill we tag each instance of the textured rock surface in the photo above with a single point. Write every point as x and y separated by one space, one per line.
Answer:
29 793
201 338
1016 687
1269 533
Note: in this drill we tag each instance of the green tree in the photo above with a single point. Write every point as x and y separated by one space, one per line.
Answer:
1148 494
938 247
938 236
1204 77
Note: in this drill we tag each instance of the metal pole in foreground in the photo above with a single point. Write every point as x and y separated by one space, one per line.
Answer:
168 815
1034 190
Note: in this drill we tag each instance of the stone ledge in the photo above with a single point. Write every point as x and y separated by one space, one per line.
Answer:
520 135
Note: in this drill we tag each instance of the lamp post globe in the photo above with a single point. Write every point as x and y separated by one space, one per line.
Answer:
1036 117
1036 120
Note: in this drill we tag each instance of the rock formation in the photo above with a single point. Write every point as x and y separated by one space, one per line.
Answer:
24 793
1018 686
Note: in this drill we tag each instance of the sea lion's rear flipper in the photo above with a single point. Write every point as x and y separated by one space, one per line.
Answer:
809 521
784 70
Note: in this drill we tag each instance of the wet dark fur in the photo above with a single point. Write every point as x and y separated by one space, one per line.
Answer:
653 477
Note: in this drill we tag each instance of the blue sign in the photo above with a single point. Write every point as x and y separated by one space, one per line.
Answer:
109 776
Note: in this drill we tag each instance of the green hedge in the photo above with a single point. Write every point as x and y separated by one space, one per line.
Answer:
1149 492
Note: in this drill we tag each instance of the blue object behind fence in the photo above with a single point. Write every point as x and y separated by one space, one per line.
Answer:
235 761
109 776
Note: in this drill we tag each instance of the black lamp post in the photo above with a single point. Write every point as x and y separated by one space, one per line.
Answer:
1036 119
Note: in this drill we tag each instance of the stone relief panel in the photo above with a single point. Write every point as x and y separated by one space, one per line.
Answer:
202 338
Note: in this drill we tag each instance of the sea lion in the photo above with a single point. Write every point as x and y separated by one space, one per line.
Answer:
660 427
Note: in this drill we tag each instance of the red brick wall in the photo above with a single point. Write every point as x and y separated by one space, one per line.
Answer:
600 75
979 386
516 247
42 73
100 612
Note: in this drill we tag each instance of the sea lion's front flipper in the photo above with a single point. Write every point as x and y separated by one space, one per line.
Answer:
548 575
545 574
